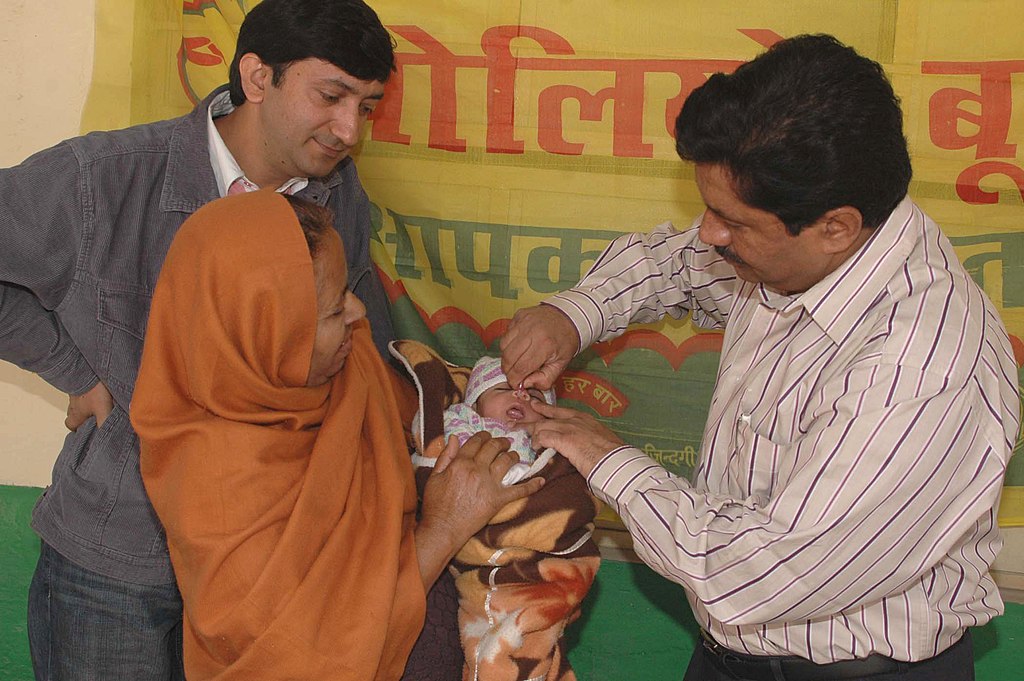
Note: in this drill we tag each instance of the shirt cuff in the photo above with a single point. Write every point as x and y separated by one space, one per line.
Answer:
622 473
71 374
583 311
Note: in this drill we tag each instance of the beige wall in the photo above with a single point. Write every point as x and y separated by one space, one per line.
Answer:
46 52
46 57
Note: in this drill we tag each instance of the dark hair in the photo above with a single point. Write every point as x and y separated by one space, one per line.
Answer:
346 33
807 126
313 219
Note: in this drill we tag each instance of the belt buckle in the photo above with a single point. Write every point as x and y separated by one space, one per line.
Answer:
729 661
713 646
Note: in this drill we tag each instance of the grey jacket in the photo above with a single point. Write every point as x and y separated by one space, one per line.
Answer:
84 228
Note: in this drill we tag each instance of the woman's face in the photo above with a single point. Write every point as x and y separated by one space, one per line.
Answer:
337 309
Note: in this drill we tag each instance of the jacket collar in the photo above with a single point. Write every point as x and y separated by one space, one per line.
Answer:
190 182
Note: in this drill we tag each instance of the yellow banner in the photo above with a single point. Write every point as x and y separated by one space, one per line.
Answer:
519 136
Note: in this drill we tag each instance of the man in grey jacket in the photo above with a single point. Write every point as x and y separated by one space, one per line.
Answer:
84 227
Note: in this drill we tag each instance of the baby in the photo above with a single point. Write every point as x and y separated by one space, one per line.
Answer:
522 578
493 405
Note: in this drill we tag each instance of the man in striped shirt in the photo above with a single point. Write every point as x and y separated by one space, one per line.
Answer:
842 519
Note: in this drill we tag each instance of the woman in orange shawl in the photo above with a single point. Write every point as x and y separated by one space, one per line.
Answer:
274 454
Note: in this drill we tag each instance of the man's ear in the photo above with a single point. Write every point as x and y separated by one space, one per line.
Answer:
842 228
256 77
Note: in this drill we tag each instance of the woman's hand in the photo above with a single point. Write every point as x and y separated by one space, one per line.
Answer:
463 493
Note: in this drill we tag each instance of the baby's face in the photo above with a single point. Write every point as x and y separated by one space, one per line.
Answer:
504 403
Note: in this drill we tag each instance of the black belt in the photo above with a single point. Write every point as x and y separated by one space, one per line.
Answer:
793 668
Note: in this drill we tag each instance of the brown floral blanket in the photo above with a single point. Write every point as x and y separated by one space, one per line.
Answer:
523 577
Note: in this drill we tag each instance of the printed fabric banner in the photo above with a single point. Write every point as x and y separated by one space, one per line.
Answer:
519 136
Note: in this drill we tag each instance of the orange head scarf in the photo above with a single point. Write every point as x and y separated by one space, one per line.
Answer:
288 509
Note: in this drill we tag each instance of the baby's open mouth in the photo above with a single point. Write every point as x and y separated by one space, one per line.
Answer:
515 414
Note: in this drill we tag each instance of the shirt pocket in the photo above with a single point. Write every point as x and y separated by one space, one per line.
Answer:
122 313
768 431
752 470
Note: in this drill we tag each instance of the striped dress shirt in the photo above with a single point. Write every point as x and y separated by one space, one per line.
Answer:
854 452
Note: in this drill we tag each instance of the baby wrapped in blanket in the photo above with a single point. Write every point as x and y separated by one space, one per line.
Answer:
522 578
492 404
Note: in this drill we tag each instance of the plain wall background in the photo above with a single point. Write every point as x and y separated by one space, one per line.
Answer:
46 52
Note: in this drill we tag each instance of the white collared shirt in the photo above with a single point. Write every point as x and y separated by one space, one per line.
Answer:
225 167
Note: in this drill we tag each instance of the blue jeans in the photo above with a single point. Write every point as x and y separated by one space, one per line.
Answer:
83 625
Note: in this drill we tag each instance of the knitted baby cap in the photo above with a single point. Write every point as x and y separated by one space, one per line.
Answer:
486 374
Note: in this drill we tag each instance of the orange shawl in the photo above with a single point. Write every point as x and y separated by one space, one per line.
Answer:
289 510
